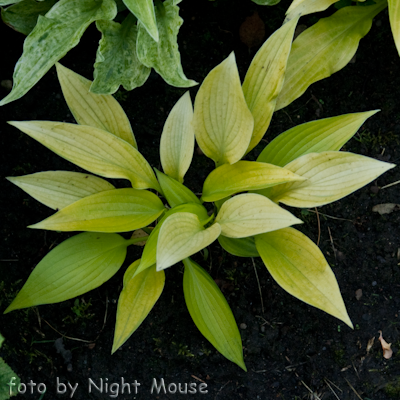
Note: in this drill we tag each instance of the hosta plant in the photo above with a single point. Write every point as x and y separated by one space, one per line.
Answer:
146 38
239 204
329 45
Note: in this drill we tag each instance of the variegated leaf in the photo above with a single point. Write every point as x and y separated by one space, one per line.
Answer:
116 60
394 16
305 7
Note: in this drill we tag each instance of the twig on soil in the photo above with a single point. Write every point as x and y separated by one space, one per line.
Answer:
333 246
315 395
258 283
332 217
333 384
221 389
354 390
390 184
7 260
330 387
67 337
319 226
195 377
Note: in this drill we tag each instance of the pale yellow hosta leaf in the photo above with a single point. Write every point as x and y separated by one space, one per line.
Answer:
394 16
150 249
181 235
136 300
305 7
325 48
100 111
299 267
264 79
118 210
331 175
328 134
93 149
242 176
58 189
250 214
211 313
222 121
76 266
177 139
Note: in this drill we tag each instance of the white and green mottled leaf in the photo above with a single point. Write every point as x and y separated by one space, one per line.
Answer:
164 55
116 60
145 13
394 16
266 2
150 250
325 48
76 266
99 111
331 175
177 139
251 214
175 192
136 300
181 235
118 210
211 313
53 36
300 268
23 16
328 134
93 149
58 189
305 7
243 247
223 124
265 77
242 176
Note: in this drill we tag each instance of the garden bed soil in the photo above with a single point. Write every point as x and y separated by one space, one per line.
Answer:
291 350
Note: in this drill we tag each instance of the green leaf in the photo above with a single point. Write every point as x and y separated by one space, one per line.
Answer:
93 149
136 300
76 266
9 380
177 139
325 48
394 16
164 55
211 313
250 214
243 247
8 2
150 250
181 235
116 60
53 36
331 175
23 16
99 111
328 134
175 192
222 122
58 189
299 267
264 79
266 2
242 176
118 210
144 12
305 7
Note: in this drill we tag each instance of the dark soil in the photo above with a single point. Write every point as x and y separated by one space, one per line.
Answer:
292 351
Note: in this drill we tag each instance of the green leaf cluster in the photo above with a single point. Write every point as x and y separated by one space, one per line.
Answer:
146 39
303 167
